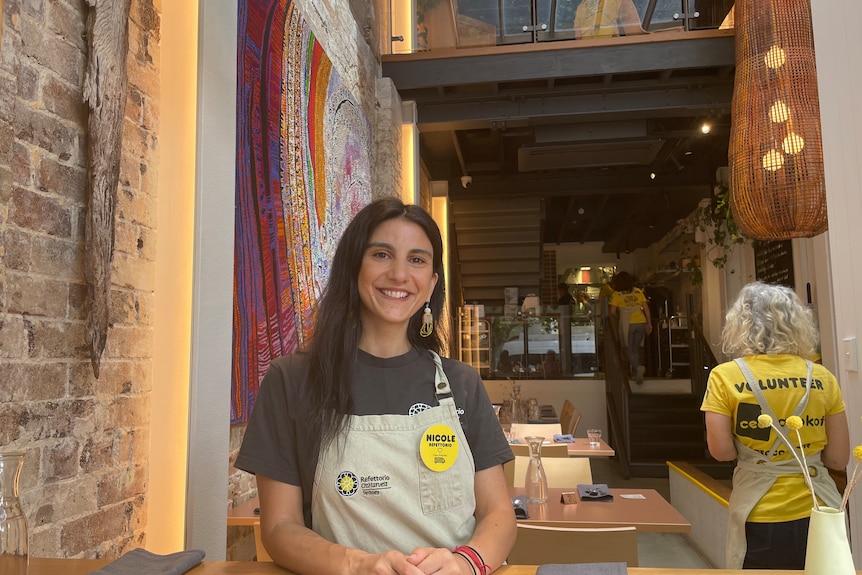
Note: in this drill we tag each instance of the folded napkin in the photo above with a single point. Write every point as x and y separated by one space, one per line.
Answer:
515 440
563 438
142 562
594 492
583 569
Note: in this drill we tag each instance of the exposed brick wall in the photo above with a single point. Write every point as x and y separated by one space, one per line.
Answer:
84 483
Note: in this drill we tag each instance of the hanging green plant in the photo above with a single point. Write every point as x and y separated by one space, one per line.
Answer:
719 234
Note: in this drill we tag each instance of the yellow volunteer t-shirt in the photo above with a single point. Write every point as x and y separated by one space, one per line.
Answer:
597 18
632 300
782 379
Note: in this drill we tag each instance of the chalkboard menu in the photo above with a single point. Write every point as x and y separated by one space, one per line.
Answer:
773 262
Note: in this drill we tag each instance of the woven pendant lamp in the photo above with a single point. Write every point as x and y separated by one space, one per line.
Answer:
777 188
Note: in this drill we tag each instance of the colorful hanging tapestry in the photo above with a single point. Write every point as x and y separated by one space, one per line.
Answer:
303 171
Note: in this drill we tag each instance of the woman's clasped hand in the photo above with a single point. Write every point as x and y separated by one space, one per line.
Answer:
422 561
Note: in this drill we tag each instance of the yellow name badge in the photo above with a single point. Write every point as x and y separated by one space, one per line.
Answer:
439 447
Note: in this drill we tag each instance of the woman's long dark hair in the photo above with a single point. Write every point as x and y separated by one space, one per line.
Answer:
335 340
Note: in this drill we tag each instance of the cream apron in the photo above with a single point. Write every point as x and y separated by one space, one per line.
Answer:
755 474
372 490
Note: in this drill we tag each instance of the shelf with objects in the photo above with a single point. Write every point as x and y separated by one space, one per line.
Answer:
474 337
674 354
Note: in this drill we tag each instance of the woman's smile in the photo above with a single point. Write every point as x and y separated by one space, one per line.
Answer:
396 277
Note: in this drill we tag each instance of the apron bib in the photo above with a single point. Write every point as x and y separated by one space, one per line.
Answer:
755 474
373 489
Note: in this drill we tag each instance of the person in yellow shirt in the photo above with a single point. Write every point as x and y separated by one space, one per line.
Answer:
606 18
769 333
630 305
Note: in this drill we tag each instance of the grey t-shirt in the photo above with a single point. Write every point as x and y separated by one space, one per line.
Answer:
274 447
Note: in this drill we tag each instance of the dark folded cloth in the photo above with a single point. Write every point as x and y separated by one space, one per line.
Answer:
142 562
583 569
519 504
594 492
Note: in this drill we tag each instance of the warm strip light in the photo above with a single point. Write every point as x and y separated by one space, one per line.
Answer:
408 164
440 213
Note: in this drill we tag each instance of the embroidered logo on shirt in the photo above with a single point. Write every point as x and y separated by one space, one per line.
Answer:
347 483
417 408
420 407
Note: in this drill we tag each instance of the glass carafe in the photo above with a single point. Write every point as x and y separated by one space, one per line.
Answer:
14 542
536 483
519 408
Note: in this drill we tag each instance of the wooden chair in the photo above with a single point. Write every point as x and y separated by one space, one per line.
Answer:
546 430
541 544
569 418
560 471
262 555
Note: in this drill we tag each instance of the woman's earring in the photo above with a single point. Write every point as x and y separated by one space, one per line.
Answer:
427 322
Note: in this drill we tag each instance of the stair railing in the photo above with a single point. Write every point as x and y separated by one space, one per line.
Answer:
617 393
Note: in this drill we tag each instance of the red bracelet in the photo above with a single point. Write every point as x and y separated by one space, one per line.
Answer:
474 557
467 559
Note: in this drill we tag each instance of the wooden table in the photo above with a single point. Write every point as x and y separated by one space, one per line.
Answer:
653 513
581 448
86 566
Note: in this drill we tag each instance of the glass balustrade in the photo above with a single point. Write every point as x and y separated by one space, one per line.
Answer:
447 24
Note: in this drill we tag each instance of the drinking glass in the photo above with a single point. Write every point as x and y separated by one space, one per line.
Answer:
595 436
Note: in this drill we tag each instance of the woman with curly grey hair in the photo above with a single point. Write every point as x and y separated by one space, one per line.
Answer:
769 334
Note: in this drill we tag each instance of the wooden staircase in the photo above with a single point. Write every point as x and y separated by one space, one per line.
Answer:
669 427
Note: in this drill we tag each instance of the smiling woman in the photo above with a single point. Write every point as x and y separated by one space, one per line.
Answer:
332 428
396 278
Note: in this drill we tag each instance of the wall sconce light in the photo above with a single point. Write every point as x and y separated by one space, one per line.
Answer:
777 188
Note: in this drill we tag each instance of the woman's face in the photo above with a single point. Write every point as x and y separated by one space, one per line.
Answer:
397 276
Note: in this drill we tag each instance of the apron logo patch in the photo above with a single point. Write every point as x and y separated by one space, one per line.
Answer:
347 483
373 484
439 447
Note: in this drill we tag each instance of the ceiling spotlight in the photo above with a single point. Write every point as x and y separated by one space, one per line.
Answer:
652 175
705 128
688 152
580 211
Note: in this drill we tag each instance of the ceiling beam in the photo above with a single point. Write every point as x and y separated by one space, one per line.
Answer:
694 101
574 60
615 181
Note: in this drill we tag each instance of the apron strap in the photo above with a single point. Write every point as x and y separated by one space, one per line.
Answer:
764 404
441 382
